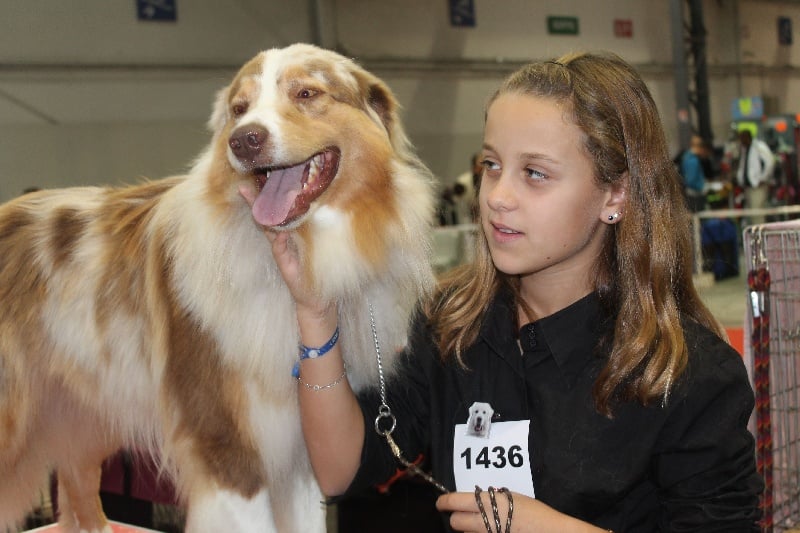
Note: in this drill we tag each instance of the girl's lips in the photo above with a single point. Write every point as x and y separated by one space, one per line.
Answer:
502 233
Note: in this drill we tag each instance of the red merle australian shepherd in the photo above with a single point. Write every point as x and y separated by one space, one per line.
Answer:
154 317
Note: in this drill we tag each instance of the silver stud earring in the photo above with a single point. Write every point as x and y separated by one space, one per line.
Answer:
612 218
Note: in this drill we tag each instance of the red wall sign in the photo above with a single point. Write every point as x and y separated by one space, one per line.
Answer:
623 28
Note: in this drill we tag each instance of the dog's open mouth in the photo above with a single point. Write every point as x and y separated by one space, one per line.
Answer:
286 193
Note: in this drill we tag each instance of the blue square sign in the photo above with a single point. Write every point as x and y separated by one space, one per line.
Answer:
157 10
462 13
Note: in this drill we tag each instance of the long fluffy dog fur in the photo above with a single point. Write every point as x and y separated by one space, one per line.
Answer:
154 317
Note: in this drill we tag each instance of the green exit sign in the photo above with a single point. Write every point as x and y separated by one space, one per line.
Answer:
562 25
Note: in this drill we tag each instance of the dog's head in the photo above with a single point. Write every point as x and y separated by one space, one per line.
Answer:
294 121
314 144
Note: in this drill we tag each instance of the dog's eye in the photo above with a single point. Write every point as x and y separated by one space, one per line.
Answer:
239 109
305 94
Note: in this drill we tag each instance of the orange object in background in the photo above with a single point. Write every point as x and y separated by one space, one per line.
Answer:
736 339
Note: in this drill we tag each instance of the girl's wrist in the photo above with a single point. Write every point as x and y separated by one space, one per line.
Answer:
315 311
308 352
317 324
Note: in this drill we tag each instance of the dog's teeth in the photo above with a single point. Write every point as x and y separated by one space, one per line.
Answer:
313 170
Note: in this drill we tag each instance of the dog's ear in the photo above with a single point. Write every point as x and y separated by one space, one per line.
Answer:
219 114
380 101
382 105
383 102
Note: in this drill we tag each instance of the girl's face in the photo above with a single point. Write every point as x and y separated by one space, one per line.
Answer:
542 211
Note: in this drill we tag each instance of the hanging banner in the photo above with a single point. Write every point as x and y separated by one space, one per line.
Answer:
157 10
784 31
747 108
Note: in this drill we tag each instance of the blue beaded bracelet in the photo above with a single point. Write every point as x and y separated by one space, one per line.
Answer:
313 353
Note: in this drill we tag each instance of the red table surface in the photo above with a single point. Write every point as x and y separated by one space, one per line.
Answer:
116 527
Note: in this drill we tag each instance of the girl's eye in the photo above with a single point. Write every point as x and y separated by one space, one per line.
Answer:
535 174
489 165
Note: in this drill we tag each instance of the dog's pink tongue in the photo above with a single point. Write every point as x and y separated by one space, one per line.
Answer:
276 199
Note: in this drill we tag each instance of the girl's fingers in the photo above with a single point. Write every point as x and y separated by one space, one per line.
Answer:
464 511
457 501
467 517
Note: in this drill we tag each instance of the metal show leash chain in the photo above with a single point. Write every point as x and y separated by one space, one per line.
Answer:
384 412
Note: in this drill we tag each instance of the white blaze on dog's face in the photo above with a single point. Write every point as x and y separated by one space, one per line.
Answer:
302 127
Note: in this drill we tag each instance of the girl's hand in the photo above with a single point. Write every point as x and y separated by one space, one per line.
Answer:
288 263
466 515
529 515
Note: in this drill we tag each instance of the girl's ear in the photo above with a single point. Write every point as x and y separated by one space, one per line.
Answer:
612 210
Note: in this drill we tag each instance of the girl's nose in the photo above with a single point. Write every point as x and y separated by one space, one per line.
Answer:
500 196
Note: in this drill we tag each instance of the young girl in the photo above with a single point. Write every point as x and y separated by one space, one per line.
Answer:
571 371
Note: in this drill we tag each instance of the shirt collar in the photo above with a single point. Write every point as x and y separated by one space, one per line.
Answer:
572 333
569 335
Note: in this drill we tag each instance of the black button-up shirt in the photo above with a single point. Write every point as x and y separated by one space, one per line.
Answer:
686 465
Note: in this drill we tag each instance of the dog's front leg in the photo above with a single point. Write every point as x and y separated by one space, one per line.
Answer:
80 510
299 505
218 510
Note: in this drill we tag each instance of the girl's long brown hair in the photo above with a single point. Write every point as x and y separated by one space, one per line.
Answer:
644 274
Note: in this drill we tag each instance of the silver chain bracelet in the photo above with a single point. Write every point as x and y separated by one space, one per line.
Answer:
332 384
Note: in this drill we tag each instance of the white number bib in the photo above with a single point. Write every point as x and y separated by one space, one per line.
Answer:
499 460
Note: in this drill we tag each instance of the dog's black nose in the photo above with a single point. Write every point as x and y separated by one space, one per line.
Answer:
246 142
